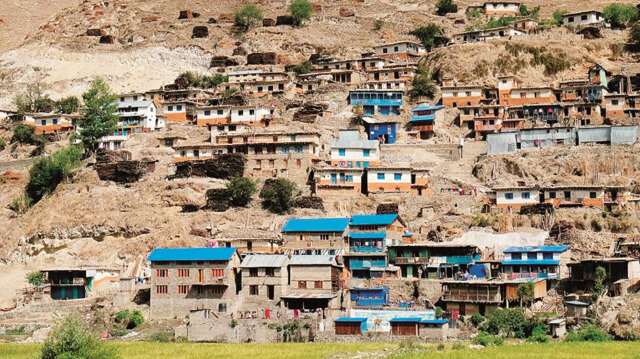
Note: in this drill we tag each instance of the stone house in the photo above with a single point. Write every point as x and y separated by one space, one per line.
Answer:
314 283
548 262
315 236
404 50
265 279
48 123
337 181
183 279
351 151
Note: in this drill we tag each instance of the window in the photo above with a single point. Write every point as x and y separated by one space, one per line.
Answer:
341 152
384 51
532 256
366 153
298 162
516 256
302 284
215 273
162 289
397 176
525 195
183 273
270 272
169 108
396 49
317 284
380 176
251 112
284 149
298 149
253 272
183 289
220 112
222 307
552 195
253 290
55 121
179 108
162 273
592 195
207 113
508 195
240 113
614 102
547 255
324 237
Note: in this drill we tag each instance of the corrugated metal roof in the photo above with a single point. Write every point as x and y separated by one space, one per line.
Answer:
351 139
531 262
536 249
422 118
578 303
130 103
312 260
191 254
428 108
405 320
267 260
368 235
434 321
316 225
373 219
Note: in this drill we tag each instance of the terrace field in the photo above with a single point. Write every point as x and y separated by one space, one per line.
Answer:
140 350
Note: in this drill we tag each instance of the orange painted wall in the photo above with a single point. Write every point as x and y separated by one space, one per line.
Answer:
461 101
212 121
381 187
176 117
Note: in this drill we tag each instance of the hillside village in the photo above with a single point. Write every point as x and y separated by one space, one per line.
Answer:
429 175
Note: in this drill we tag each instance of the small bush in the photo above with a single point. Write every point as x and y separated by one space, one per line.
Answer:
135 319
21 204
279 196
633 43
121 316
424 84
476 319
3 144
35 278
539 335
587 333
159 337
484 220
302 68
438 312
485 339
474 13
72 339
595 225
377 25
557 17
444 7
24 134
233 323
429 35
533 13
48 172
248 16
240 191
300 11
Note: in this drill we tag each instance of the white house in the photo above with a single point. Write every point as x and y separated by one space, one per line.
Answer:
350 150
141 113
402 49
583 18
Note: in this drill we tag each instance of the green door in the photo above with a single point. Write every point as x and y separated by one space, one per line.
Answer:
409 271
75 292
62 293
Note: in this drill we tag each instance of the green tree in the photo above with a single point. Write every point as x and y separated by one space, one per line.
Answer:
35 278
48 172
280 195
533 13
525 292
444 7
240 191
429 35
633 43
248 16
100 115
302 68
599 276
619 15
71 338
33 99
300 11
67 105
557 17
424 84
24 134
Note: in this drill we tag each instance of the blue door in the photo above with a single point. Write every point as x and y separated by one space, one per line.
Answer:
334 178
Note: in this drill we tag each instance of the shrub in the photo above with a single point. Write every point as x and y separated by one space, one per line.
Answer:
533 13
444 7
476 319
135 319
619 15
192 79
159 337
485 339
240 191
48 172
539 334
20 204
505 321
587 333
121 316
33 99
377 25
484 220
302 68
633 43
438 312
423 84
72 339
35 278
428 35
233 323
24 134
3 144
67 105
248 16
279 195
525 292
474 13
300 11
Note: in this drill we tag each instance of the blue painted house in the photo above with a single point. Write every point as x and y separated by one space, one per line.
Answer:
382 130
535 262
377 102
370 297
423 120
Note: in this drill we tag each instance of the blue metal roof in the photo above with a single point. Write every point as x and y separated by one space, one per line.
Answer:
435 321
405 320
350 320
373 219
368 235
531 262
428 108
407 235
536 249
316 225
376 289
422 118
191 254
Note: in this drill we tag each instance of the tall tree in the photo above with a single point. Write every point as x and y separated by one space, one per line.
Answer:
100 114
33 99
